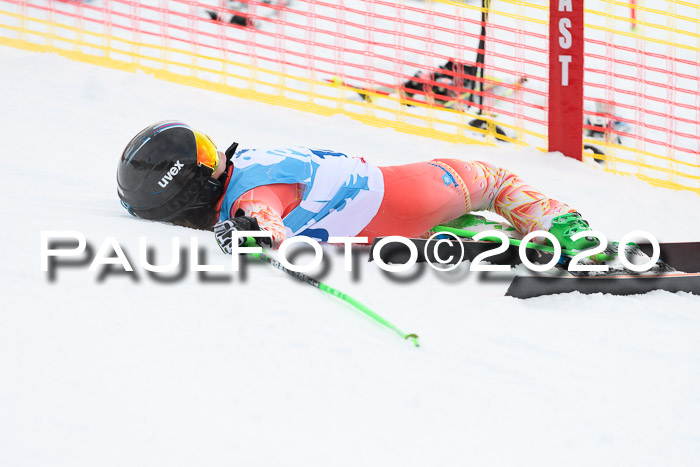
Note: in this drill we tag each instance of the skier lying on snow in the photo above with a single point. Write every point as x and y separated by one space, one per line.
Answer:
172 173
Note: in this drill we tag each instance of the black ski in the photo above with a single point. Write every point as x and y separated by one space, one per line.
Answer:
680 256
536 286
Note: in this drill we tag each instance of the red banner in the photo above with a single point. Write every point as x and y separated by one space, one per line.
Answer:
566 77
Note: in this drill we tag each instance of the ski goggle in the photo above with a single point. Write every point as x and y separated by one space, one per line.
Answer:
207 154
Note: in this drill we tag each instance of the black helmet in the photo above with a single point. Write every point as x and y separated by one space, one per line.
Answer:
165 174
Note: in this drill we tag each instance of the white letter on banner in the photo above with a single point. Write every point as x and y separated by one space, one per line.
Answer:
194 259
502 248
396 267
282 253
143 256
602 245
565 60
522 250
102 258
565 38
656 251
348 241
236 250
436 247
45 252
565 5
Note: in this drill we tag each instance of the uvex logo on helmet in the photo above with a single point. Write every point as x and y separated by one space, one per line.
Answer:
174 170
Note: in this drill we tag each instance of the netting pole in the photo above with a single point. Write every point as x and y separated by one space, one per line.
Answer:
565 127
480 55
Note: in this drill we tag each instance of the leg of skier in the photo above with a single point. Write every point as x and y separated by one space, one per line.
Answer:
421 195
495 189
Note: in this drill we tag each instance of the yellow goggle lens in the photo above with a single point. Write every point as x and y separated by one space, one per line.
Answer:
206 151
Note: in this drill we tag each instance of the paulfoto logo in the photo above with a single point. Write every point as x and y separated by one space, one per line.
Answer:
57 244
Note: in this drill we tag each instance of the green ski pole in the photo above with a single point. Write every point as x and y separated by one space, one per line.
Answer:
343 296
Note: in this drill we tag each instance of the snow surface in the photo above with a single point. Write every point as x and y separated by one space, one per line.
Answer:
263 370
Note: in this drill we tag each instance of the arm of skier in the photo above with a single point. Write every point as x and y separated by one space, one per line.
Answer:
264 204
257 209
